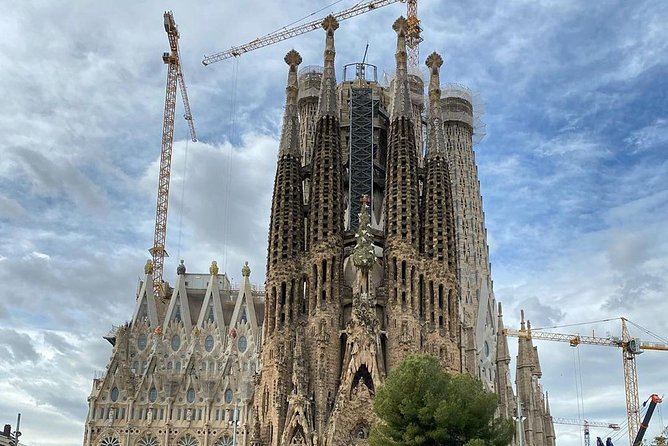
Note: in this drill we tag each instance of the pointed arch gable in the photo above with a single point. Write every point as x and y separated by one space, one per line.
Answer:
179 306
212 307
145 307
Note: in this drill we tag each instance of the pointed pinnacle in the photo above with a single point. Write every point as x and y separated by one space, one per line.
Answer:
434 62
330 24
293 58
400 26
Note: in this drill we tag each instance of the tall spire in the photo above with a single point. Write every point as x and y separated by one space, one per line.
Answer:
401 101
290 132
502 352
328 105
438 220
436 142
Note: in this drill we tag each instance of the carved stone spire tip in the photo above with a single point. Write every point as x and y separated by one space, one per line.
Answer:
330 23
293 58
434 61
400 26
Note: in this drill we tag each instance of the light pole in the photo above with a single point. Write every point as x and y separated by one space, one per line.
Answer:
235 422
17 432
519 427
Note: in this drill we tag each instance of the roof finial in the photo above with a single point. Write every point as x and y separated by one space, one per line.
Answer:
290 132
181 269
245 270
522 326
328 104
436 142
148 268
213 269
401 105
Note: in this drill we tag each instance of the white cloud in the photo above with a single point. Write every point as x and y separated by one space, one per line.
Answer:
575 196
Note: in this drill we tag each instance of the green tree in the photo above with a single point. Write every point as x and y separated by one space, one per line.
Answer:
422 405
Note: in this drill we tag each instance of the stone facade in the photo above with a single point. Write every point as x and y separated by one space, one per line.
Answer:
181 372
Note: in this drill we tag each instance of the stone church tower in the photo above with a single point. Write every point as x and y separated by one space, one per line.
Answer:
377 250
352 289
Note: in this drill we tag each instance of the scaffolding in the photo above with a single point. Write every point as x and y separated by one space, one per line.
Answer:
360 141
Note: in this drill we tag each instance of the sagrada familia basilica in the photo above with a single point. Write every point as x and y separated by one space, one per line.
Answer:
377 250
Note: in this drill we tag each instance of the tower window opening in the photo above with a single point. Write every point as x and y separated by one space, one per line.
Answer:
324 270
283 292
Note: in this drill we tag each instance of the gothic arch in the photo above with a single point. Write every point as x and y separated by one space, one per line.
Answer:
363 375
147 440
109 439
187 440
225 440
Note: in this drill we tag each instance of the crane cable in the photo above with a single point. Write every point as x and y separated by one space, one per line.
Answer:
228 160
183 191
648 332
307 16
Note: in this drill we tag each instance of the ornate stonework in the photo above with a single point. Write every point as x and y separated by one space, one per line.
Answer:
181 376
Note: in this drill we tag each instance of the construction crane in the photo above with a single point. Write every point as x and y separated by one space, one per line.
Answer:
653 399
631 347
413 38
174 78
585 424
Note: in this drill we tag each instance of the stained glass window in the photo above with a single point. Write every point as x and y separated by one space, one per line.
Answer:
141 342
176 342
224 441
243 344
208 343
188 440
148 441
229 396
114 394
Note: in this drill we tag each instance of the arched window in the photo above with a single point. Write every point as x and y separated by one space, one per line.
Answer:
224 441
190 395
114 394
297 439
229 395
176 342
208 343
188 440
110 441
148 441
141 342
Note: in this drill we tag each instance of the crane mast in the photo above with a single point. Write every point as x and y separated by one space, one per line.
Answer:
631 347
413 40
414 34
174 78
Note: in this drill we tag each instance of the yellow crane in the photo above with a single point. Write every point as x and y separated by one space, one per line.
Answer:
586 424
174 77
413 40
630 347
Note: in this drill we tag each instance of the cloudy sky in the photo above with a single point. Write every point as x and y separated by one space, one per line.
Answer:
573 170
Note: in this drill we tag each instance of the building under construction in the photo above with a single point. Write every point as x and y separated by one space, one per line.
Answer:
377 250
